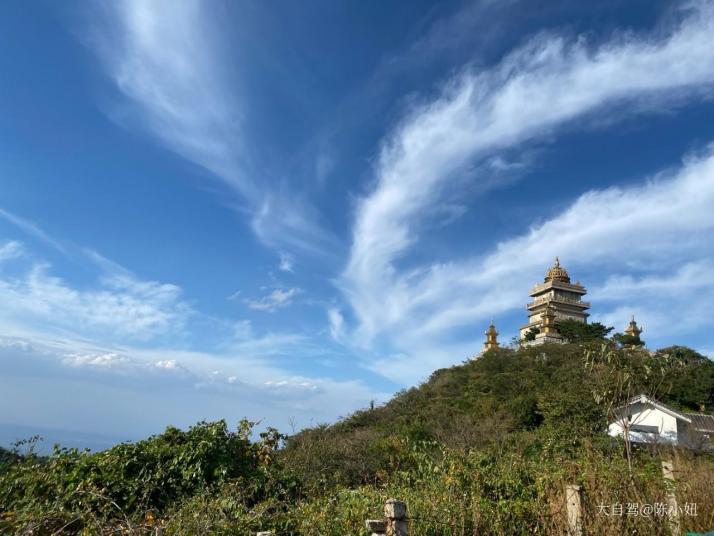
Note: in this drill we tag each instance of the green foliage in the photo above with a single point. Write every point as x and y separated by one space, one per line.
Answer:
134 478
568 389
579 332
482 448
531 334
690 386
6 457
627 340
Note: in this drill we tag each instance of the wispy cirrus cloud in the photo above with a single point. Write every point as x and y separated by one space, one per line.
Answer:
31 229
537 89
168 60
165 58
663 226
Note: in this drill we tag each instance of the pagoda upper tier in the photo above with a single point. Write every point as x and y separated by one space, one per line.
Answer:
557 296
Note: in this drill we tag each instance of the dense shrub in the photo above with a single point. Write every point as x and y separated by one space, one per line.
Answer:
136 479
575 331
482 448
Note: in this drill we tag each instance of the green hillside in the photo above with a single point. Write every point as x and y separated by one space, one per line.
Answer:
485 447
505 393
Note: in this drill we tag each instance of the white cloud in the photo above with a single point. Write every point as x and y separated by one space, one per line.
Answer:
234 296
269 344
691 277
167 364
168 60
243 330
31 229
119 305
109 359
287 262
180 387
10 250
673 302
337 323
293 386
544 85
277 299
653 225
164 57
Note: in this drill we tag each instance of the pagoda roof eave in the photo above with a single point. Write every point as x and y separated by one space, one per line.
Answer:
542 287
562 304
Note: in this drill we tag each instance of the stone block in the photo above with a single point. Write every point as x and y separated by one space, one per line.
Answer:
398 527
394 509
376 525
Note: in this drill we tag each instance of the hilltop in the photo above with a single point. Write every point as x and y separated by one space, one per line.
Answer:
502 394
483 447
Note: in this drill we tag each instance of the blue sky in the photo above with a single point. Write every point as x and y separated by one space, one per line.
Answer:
287 210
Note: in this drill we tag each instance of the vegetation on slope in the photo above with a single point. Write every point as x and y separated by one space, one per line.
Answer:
485 447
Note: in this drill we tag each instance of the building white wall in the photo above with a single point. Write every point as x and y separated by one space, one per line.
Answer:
647 415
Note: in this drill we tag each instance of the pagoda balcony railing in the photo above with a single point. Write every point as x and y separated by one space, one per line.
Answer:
559 299
569 286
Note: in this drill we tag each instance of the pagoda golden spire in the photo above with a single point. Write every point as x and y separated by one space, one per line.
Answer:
557 273
491 338
633 329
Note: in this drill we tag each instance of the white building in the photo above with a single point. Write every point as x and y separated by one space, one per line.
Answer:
650 421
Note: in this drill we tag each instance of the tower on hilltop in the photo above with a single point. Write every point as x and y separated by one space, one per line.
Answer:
553 300
491 338
633 330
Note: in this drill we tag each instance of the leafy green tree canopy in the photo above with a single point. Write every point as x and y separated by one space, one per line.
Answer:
577 332
531 334
625 339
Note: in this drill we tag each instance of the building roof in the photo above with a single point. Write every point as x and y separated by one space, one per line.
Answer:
644 399
702 422
557 273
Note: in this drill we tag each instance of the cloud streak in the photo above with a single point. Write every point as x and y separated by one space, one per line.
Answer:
542 86
168 61
606 230
479 115
31 229
164 58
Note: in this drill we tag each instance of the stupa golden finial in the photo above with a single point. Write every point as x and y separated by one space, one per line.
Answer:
491 338
557 273
633 329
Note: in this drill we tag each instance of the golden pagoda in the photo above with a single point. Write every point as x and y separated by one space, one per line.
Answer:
553 300
491 338
633 329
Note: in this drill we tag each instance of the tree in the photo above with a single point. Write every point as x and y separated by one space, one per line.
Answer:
7 457
531 334
576 332
617 375
626 340
691 386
